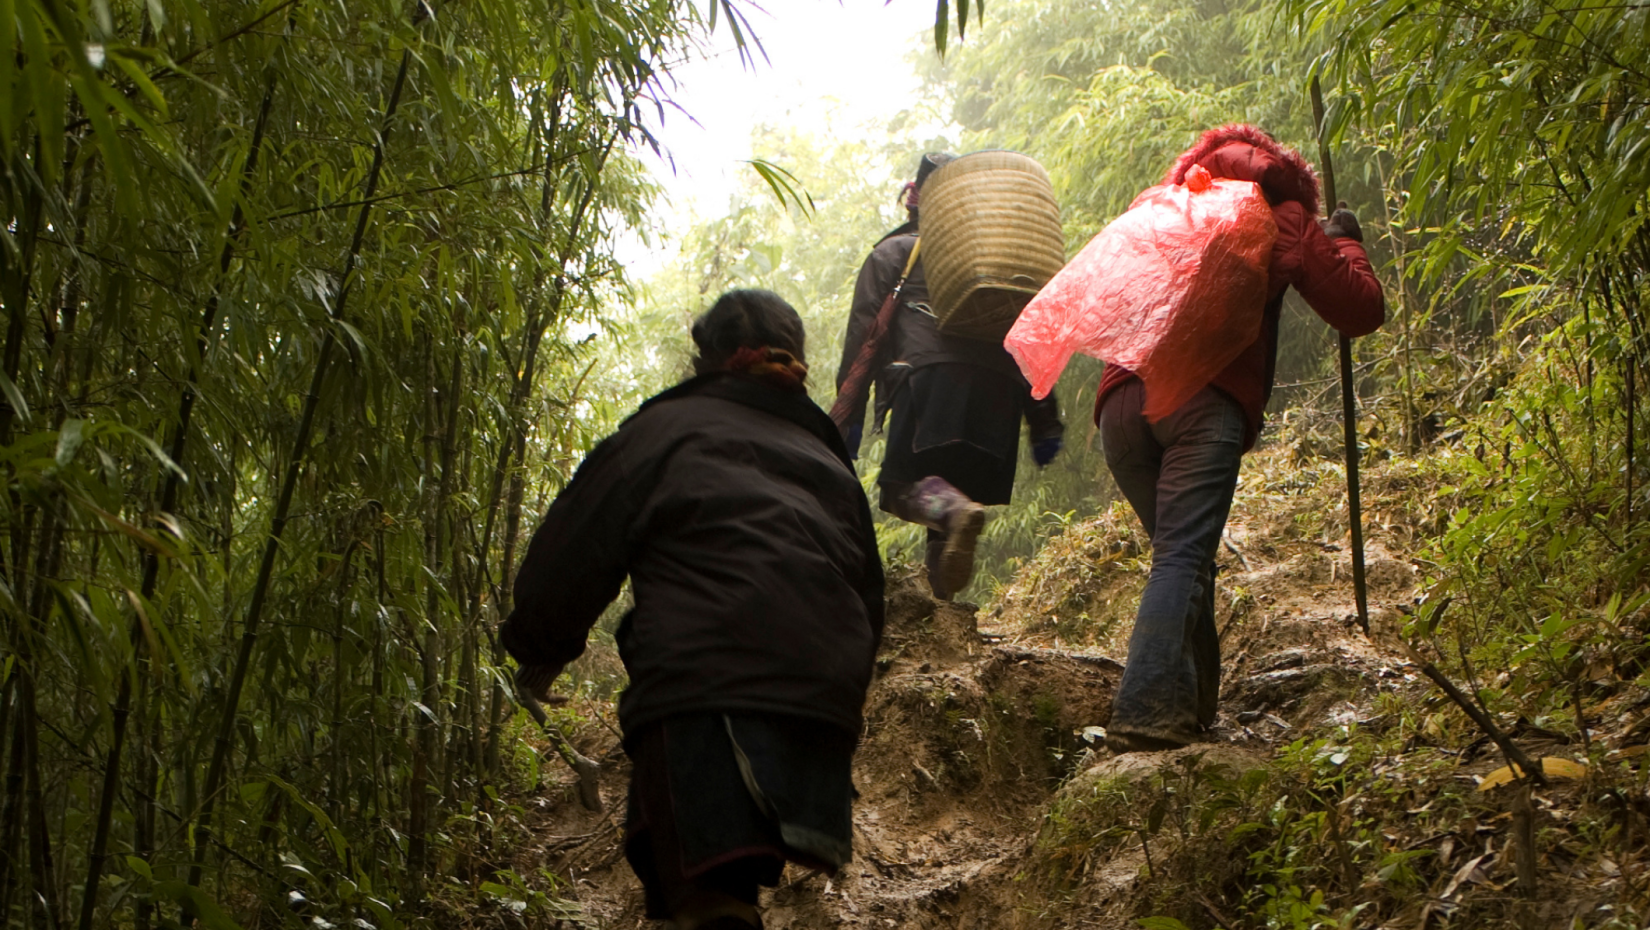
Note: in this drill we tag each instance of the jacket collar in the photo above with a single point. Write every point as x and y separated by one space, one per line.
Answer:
741 389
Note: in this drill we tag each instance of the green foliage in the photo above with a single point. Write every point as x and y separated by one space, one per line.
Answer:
290 294
1459 80
1106 95
1541 565
1507 135
809 257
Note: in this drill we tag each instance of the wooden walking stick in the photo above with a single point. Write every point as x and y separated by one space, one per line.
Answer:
1349 409
587 769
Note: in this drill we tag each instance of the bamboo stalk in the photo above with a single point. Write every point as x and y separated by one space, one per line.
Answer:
515 446
340 778
417 794
15 282
41 861
48 561
448 725
148 776
1523 835
168 502
1632 405
283 502
11 816
376 689
1515 755
417 789
518 393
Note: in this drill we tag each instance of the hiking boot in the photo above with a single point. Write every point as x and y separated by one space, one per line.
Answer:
962 532
931 559
954 523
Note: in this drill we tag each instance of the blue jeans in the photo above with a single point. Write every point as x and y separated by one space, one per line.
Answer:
1179 476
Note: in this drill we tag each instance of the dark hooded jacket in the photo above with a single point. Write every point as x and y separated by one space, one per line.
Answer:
750 548
1333 275
915 338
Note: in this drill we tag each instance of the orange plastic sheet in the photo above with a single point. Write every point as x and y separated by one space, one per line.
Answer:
1173 290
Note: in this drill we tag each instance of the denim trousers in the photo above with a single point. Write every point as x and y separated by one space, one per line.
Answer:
1179 476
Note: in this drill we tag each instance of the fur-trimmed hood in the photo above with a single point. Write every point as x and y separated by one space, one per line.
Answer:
1246 153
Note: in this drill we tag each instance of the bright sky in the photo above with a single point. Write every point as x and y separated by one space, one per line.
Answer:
847 57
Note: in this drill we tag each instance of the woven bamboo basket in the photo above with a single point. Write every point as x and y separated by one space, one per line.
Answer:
990 240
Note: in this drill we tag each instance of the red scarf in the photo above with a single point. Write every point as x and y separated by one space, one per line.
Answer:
777 367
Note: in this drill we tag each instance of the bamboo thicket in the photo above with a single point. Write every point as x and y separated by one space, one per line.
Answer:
286 292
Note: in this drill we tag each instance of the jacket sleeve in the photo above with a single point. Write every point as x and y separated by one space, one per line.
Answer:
872 582
1335 278
877 277
576 562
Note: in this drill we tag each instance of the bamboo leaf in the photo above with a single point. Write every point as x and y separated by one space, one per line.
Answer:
205 910
340 845
69 437
1551 766
15 398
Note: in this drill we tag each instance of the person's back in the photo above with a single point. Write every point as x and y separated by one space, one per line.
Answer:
731 504
954 407
915 339
1179 472
1331 272
748 553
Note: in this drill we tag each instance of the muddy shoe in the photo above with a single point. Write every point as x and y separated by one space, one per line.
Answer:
957 560
931 561
1145 740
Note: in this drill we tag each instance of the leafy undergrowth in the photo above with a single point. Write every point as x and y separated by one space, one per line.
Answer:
1341 788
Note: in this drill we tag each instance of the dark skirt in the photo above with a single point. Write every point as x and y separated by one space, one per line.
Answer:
723 801
960 422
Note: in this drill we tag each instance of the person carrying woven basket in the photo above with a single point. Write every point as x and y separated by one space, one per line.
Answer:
1179 473
953 406
731 504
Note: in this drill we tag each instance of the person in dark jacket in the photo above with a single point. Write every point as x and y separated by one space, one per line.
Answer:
1180 473
732 505
955 404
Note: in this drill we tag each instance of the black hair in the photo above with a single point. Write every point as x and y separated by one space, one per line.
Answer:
746 318
928 163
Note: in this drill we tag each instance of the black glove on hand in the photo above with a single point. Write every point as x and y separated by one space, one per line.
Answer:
1043 451
852 439
1343 224
536 680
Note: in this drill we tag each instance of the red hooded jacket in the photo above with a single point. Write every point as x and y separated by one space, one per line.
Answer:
1333 275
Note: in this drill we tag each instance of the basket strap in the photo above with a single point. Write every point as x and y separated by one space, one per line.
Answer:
910 263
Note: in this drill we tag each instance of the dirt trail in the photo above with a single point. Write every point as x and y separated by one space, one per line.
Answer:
980 727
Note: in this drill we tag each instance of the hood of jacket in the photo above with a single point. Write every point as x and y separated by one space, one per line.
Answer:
1246 153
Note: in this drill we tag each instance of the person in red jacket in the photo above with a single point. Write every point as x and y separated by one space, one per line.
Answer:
1179 474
